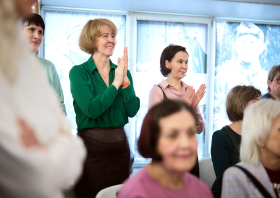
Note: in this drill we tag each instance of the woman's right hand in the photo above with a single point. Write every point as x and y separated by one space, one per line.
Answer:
189 95
28 136
119 72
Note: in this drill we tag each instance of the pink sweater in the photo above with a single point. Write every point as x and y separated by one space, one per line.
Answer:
156 96
142 185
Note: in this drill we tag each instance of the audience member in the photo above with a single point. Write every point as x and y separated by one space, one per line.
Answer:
259 154
168 137
39 156
273 83
226 142
104 98
33 31
174 65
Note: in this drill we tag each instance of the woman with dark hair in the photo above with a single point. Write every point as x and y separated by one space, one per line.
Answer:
168 136
174 65
104 98
226 141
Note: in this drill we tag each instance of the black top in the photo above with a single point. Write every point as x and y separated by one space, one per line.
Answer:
268 96
224 154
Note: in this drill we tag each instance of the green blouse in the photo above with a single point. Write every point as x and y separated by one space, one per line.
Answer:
224 154
95 104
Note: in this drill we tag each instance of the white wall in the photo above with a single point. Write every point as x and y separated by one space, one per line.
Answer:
256 9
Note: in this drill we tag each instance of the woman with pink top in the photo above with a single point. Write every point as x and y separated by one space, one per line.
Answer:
168 137
174 65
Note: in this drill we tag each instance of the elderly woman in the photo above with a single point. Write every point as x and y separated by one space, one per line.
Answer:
259 154
225 142
104 98
168 136
174 65
39 156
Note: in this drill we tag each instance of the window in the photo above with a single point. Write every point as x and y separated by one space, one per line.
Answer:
244 54
62 32
152 38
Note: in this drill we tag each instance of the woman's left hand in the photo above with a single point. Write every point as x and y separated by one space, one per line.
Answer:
198 95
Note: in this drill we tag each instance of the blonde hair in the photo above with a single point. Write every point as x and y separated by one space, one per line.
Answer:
91 31
256 126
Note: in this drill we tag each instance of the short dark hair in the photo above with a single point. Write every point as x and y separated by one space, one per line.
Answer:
34 19
167 54
272 73
237 100
150 130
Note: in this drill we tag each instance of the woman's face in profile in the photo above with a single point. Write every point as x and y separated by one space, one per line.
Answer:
177 144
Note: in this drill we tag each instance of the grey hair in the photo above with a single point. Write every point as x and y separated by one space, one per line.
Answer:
256 126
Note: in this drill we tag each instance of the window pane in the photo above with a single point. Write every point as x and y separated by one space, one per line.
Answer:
61 46
152 38
244 54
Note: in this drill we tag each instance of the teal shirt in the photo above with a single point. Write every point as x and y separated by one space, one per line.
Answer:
53 79
224 154
95 104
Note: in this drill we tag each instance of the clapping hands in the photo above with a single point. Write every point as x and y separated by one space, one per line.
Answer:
121 71
191 97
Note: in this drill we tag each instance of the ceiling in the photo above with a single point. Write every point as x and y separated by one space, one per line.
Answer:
241 9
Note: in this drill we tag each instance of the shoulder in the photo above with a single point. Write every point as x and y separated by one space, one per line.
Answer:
220 134
234 174
45 61
134 186
197 186
155 89
267 95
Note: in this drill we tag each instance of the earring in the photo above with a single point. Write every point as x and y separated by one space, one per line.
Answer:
261 149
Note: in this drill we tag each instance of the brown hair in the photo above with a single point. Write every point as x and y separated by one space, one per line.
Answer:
237 100
34 19
91 31
150 130
272 73
167 54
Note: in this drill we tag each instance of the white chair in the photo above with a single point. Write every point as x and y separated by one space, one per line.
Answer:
206 172
110 192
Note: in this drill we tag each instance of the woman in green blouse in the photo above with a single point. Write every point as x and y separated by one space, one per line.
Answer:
104 98
224 152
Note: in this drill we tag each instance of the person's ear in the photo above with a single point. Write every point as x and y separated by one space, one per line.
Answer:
269 83
167 64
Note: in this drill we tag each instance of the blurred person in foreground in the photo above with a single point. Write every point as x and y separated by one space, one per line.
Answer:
273 83
34 31
259 154
168 137
104 98
226 141
39 156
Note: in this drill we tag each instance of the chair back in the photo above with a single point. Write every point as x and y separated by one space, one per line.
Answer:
206 171
110 192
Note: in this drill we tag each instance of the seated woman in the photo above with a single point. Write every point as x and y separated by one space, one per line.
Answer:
223 150
259 154
168 136
174 65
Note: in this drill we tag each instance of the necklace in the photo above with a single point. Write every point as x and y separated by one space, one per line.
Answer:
104 76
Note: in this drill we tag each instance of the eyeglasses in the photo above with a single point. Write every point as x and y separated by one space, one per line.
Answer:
277 80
